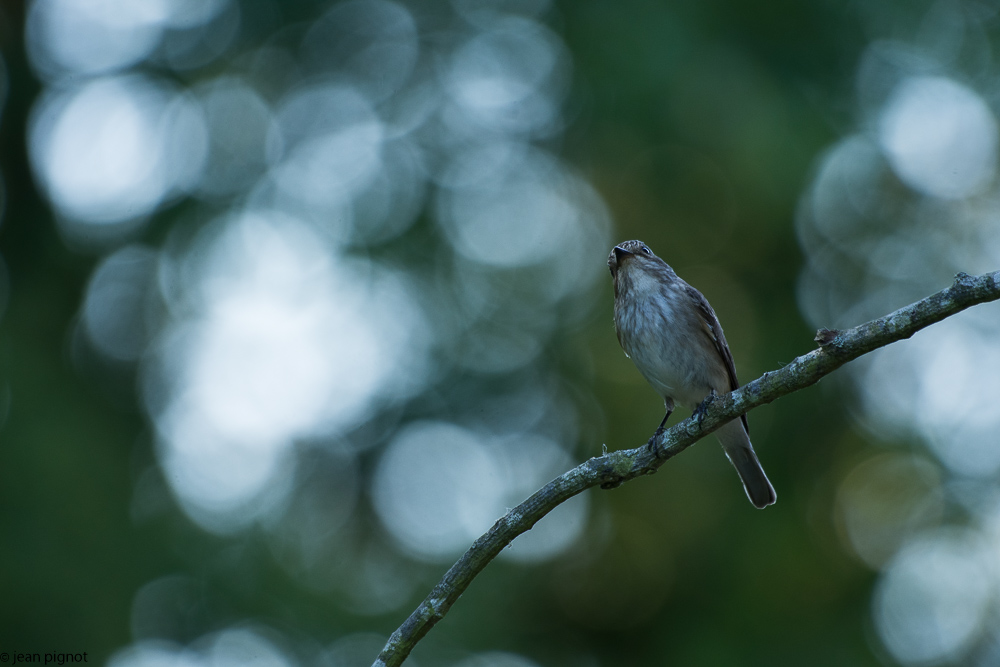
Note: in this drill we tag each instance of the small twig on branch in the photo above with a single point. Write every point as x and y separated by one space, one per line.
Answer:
613 469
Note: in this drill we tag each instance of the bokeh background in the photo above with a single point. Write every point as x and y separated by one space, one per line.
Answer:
296 298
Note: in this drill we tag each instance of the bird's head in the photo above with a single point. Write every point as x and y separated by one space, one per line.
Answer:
628 255
636 270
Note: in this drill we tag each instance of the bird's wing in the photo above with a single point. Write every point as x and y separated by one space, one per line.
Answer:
714 330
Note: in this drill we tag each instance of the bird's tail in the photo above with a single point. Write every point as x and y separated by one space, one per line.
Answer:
736 444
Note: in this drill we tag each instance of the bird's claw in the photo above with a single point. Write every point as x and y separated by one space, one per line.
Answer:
699 412
652 441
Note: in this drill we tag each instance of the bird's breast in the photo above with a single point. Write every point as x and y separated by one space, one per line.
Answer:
656 333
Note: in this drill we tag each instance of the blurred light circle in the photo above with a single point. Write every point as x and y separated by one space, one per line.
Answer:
308 538
186 14
945 383
554 534
378 581
275 339
481 164
309 112
522 405
521 217
335 166
224 483
118 296
940 137
114 149
65 37
933 599
152 653
510 77
354 650
846 190
530 461
884 500
242 137
245 648
487 12
572 269
229 648
394 198
372 44
340 168
167 607
436 489
962 378
489 346
334 145
252 343
200 32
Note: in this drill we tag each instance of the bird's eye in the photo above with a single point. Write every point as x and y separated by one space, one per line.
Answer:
646 250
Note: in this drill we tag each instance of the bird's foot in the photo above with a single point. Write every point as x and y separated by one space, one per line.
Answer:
699 412
652 441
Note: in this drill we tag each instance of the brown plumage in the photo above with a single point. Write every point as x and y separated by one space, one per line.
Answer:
673 336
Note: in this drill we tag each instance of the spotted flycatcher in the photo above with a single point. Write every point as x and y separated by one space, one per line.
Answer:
674 338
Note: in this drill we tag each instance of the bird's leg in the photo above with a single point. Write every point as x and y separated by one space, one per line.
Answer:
659 429
699 412
663 422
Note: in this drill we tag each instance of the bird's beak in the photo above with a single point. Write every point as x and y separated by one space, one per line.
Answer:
620 253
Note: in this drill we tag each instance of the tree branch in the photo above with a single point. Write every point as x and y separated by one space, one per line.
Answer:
611 470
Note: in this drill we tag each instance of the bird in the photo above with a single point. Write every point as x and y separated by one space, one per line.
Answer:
673 336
